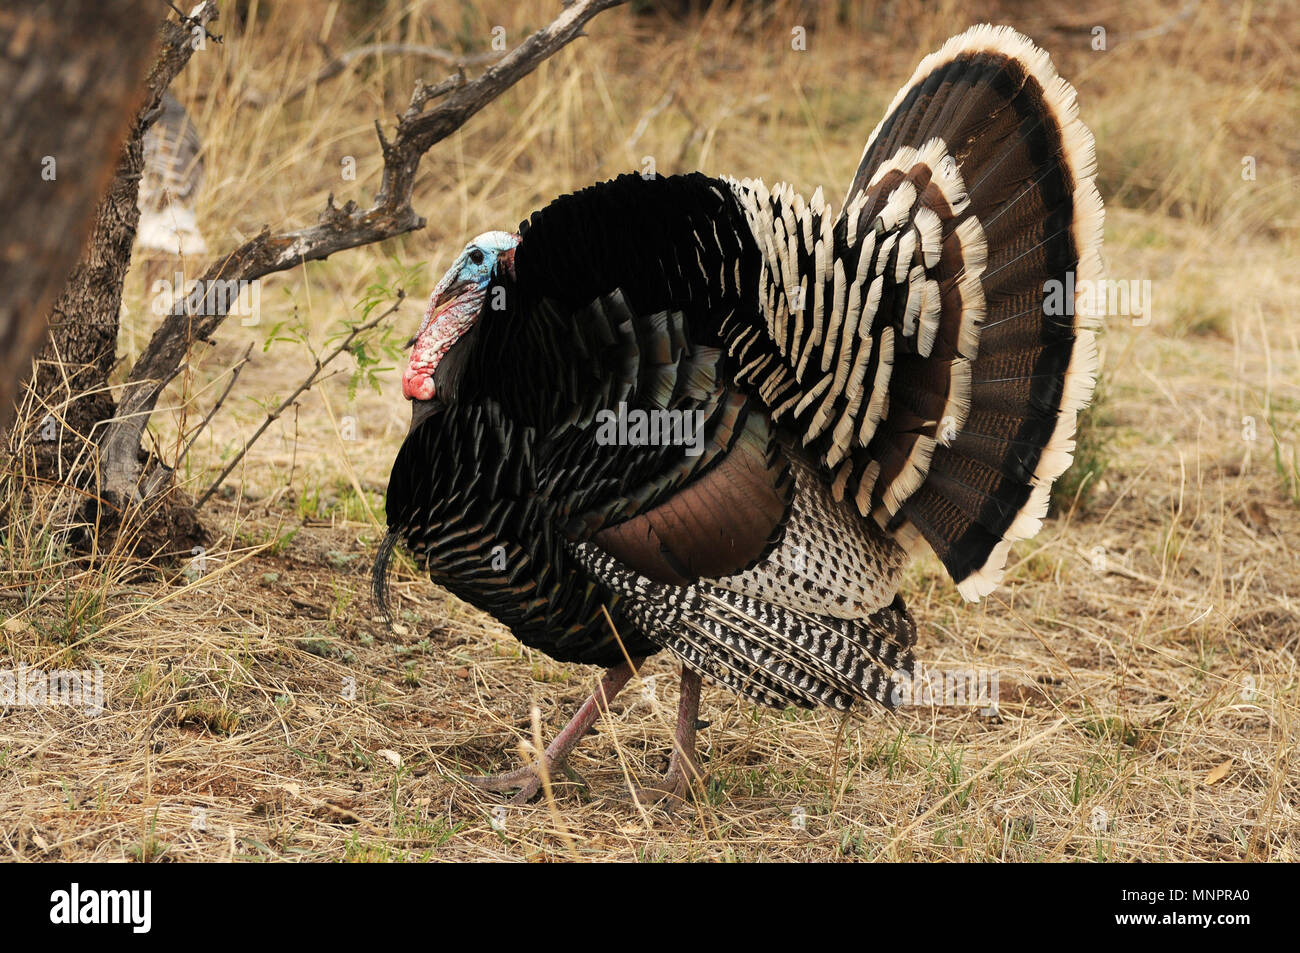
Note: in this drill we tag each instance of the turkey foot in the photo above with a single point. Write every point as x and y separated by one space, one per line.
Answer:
528 780
684 771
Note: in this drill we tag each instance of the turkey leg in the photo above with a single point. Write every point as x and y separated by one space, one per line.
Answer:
684 769
529 780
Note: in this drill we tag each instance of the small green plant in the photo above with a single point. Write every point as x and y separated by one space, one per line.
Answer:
383 343
319 646
309 503
1286 464
150 849
958 791
1091 457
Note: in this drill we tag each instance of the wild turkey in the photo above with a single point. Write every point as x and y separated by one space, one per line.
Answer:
865 384
173 174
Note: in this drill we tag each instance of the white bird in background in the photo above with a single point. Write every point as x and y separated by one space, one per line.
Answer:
173 174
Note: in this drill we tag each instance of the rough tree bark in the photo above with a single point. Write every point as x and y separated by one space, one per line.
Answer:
72 372
391 214
70 71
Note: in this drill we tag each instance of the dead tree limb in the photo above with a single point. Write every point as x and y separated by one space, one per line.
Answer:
72 373
390 215
343 61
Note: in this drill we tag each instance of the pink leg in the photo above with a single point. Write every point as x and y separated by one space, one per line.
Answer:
684 770
528 780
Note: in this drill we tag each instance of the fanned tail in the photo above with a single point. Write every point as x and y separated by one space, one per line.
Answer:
983 154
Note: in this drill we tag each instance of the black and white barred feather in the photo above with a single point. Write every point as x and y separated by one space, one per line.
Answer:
771 654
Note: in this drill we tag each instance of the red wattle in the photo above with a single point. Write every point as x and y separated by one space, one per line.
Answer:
417 384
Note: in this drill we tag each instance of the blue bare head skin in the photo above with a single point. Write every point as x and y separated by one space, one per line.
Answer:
454 306
479 259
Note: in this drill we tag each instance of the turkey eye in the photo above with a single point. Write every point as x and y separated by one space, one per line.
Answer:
476 256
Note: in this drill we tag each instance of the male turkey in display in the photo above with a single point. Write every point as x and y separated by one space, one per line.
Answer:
700 415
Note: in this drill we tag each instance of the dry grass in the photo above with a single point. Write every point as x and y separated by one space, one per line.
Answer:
1146 641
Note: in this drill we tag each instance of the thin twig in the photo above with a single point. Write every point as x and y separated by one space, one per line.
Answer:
234 376
306 385
343 61
191 22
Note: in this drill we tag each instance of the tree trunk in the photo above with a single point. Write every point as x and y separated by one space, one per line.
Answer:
71 71
72 372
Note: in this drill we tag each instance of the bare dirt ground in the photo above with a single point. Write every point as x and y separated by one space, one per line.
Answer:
1145 643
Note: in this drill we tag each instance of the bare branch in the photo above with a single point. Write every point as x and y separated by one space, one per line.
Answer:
230 384
344 61
338 229
176 46
199 20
